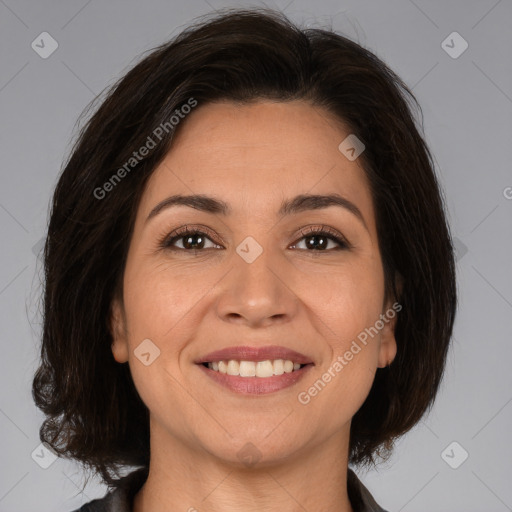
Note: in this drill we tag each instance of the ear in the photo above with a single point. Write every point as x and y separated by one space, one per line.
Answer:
117 324
388 348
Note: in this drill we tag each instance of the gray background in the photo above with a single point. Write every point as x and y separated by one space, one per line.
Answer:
467 105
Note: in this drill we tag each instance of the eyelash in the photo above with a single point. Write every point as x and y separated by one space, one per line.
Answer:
167 241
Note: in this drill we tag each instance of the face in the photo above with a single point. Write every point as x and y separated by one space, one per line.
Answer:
256 275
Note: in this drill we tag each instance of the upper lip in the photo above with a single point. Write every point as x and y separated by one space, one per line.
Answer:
246 353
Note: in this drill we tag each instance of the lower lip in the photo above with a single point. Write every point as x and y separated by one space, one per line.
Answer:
256 385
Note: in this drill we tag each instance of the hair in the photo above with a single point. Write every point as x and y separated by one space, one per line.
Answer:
93 411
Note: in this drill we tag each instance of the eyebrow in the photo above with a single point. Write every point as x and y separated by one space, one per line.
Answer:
300 203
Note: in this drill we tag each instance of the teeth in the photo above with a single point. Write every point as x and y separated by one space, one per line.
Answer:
254 369
247 369
233 368
264 369
278 367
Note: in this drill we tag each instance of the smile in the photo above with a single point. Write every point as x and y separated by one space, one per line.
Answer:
255 370
254 385
260 369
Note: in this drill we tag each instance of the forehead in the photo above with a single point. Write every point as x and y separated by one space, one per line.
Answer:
257 155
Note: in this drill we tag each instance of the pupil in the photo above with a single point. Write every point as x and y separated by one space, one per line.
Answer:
189 241
310 243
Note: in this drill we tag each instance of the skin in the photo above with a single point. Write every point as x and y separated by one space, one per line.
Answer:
190 303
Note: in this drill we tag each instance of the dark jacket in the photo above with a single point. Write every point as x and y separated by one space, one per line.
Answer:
121 498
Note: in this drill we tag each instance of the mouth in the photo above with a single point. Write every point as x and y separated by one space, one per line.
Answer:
259 369
250 370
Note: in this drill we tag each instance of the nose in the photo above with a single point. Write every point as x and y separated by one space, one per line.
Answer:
257 293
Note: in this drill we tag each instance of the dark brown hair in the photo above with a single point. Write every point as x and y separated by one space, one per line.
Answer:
94 413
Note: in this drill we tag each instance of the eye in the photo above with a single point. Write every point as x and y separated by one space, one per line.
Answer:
317 239
191 239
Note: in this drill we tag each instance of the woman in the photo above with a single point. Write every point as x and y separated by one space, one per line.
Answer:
250 279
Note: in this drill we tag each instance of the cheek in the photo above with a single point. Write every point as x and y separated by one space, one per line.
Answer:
346 310
346 303
159 297
345 300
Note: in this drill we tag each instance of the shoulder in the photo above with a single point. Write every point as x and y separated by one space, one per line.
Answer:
113 501
360 497
120 498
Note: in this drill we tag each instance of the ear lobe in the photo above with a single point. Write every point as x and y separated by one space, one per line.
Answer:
117 327
388 348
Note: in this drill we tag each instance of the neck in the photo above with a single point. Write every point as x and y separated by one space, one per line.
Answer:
183 478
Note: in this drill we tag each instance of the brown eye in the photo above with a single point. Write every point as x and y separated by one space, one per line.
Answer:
317 239
190 239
